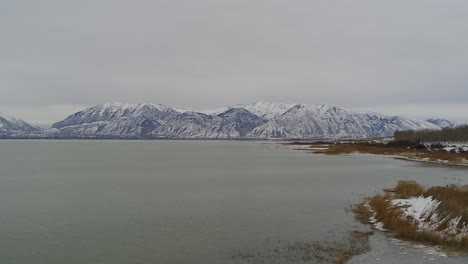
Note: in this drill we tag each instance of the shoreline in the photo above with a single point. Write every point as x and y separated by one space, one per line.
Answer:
382 148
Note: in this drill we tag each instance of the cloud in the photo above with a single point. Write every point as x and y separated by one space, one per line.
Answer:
208 53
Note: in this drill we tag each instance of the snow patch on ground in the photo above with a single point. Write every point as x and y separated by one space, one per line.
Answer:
418 208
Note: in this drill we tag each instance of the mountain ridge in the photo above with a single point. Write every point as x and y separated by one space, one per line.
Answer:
258 120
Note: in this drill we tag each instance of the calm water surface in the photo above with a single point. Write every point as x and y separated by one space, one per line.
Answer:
176 202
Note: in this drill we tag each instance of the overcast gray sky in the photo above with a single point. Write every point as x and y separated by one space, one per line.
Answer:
407 57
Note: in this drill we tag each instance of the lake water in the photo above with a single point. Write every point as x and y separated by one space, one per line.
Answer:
176 202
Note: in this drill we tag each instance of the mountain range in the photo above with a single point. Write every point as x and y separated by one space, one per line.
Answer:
259 120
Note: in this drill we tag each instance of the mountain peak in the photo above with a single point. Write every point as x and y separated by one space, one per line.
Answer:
267 110
116 106
9 124
237 111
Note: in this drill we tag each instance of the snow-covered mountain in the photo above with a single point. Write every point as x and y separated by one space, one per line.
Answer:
114 120
256 120
12 125
443 123
118 112
155 121
330 122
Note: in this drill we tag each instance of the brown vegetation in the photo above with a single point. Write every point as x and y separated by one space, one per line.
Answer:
412 151
453 204
363 212
348 148
455 201
407 189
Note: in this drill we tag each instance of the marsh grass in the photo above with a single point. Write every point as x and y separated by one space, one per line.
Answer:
325 251
453 205
407 189
362 212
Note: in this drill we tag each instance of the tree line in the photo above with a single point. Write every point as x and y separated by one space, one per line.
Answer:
458 134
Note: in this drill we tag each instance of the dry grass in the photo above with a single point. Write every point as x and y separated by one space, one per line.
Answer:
392 219
453 204
407 189
348 148
362 212
454 201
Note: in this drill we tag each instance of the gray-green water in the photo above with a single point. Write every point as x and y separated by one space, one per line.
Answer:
176 202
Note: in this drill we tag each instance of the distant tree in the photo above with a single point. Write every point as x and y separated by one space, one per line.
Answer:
458 134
